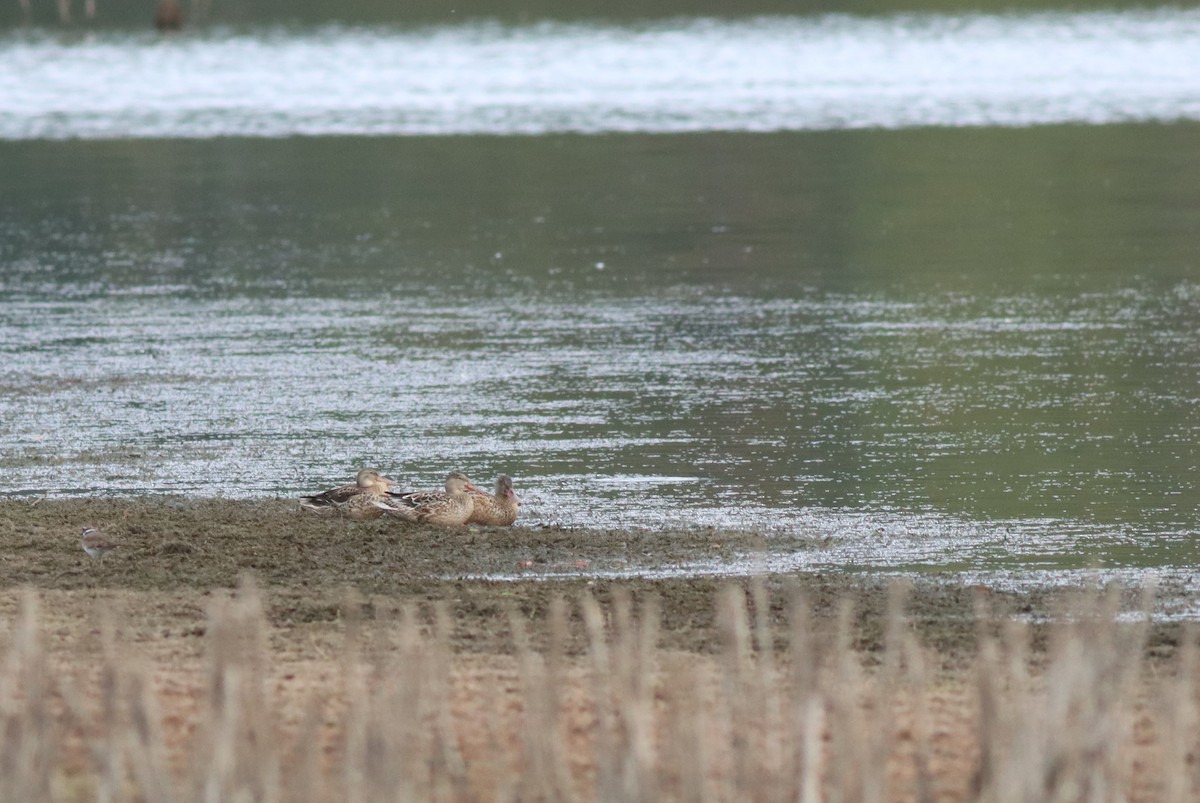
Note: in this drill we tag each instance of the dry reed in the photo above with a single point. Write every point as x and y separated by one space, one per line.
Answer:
620 719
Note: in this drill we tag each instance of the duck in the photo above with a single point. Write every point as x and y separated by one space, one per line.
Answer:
451 507
353 501
500 508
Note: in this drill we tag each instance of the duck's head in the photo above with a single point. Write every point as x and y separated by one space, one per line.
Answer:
457 482
504 488
371 478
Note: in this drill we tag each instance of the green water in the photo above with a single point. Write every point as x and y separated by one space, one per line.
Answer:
982 342
985 213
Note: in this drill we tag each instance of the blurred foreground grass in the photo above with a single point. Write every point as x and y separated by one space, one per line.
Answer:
241 651
587 703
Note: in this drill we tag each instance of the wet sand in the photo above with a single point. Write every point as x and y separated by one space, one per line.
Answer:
321 578
184 549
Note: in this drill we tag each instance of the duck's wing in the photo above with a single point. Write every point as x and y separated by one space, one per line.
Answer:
394 506
483 508
416 499
445 509
492 510
334 497
429 507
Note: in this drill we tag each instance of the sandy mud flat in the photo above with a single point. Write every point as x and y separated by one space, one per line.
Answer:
306 564
160 594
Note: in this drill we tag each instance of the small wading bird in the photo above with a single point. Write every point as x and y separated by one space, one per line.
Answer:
96 543
500 508
451 507
352 501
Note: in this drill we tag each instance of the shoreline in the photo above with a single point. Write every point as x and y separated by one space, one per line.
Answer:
307 565
344 627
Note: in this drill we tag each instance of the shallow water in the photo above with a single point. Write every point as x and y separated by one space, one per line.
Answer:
968 349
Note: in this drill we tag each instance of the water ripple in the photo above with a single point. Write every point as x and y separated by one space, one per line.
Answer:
759 74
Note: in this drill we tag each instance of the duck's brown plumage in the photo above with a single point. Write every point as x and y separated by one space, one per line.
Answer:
498 509
353 501
451 507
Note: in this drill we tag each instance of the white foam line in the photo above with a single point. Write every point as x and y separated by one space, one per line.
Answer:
759 74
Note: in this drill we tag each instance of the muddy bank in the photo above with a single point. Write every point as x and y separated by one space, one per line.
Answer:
315 569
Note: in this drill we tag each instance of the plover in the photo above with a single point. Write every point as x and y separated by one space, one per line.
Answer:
96 543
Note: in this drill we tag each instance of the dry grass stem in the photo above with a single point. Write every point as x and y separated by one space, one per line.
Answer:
588 705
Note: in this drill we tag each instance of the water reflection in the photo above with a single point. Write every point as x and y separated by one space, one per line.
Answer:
681 75
917 355
612 419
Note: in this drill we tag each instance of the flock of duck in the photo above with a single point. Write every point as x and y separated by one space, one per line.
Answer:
373 495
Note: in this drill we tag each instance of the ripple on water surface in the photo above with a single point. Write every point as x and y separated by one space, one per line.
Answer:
855 436
760 74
